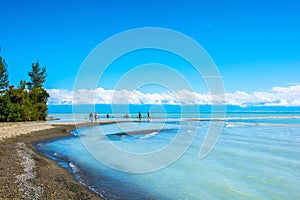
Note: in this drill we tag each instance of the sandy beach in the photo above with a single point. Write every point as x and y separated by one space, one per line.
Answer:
26 174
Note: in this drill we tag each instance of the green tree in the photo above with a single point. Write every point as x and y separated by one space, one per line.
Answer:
37 76
4 83
39 98
27 110
16 105
4 107
3 88
20 104
38 95
13 105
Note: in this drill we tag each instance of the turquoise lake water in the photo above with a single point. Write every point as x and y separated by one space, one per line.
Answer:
257 156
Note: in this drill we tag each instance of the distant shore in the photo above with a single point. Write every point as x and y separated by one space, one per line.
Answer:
25 173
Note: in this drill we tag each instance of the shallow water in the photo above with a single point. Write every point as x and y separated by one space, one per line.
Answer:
256 157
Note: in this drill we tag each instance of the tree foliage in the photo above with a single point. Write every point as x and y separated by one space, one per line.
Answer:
37 76
3 76
24 103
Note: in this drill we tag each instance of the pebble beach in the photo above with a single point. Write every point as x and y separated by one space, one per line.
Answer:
25 173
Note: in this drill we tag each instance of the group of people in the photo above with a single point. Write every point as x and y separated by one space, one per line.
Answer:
95 116
92 117
140 116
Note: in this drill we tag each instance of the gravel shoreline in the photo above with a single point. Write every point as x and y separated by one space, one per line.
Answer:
27 174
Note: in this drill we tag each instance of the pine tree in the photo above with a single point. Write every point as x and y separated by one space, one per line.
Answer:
4 83
20 104
38 95
3 89
37 75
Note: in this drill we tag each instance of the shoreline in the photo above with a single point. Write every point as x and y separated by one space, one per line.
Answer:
26 173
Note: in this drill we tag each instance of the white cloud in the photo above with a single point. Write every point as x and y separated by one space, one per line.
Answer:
60 96
277 96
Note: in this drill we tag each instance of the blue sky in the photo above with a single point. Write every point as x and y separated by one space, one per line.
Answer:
255 44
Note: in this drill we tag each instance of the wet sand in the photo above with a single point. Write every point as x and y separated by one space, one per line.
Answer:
25 173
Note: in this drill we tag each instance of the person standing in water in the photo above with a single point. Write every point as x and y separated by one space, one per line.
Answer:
148 115
91 117
96 117
140 116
